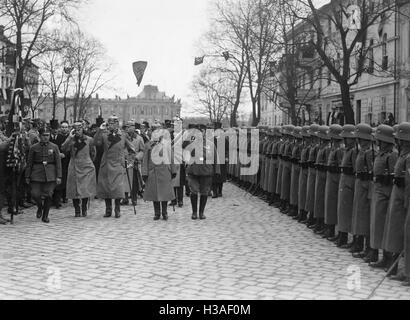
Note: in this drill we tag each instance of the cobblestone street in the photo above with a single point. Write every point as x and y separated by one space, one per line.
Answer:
244 250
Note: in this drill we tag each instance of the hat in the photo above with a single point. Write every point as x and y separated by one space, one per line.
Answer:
323 133
54 124
305 132
334 132
146 124
348 131
137 126
291 128
314 129
403 132
385 133
99 121
297 132
364 131
277 132
130 123
113 119
44 130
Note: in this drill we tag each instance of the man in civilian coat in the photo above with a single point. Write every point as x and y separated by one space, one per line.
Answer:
43 173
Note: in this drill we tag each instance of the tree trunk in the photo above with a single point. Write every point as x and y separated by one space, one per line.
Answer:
54 105
347 103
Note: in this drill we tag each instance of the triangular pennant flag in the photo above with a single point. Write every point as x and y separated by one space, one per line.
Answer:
199 60
139 68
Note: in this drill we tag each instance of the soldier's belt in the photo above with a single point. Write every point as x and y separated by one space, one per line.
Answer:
274 156
364 176
312 165
347 171
286 158
386 180
294 160
320 167
333 169
43 163
400 182
304 165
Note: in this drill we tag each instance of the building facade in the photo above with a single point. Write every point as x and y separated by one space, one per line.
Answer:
382 90
150 105
8 74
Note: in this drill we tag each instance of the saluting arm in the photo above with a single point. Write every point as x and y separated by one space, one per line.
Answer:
58 163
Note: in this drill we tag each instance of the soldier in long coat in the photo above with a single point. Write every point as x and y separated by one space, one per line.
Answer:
295 172
81 179
405 136
158 173
346 187
303 173
332 181
287 170
383 185
218 180
320 182
111 182
273 172
43 173
363 190
311 181
394 238
281 146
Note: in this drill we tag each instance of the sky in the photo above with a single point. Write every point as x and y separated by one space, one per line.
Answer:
164 33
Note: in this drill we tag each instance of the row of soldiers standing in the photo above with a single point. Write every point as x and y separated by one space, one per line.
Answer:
347 179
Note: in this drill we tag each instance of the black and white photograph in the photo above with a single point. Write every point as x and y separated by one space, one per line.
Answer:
218 152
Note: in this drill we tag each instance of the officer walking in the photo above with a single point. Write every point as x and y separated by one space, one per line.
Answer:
43 173
81 179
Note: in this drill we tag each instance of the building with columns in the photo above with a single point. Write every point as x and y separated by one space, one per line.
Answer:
150 105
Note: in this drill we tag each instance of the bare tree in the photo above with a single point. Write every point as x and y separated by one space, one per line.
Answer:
36 97
90 68
214 93
340 37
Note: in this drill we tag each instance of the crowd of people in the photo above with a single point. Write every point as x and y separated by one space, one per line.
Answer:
80 162
352 179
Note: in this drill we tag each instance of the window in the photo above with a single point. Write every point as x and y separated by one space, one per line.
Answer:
383 104
329 78
371 58
385 58
358 111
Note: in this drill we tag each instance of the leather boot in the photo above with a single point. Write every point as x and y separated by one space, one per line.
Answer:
342 241
220 188
77 209
335 238
349 245
125 201
330 232
385 262
157 211
359 245
108 208
194 204
298 217
320 225
372 256
40 207
117 208
303 216
293 212
363 254
46 210
164 210
394 257
84 207
202 205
